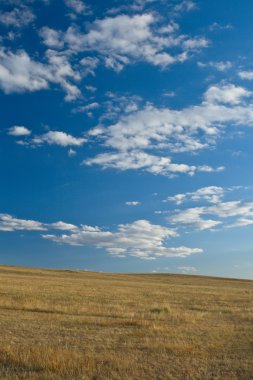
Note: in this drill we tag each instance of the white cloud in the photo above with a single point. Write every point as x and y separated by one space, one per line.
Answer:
248 75
9 223
241 222
229 94
63 226
135 6
117 105
77 6
192 217
58 138
230 209
185 6
190 129
219 65
18 130
88 108
17 17
186 270
241 212
71 152
217 27
19 73
212 194
195 43
133 203
140 160
89 64
51 37
139 239
91 88
125 39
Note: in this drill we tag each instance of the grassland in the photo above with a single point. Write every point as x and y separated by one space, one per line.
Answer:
84 325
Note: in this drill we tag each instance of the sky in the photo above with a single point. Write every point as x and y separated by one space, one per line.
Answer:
126 134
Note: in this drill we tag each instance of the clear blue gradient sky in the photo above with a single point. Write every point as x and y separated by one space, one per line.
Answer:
126 135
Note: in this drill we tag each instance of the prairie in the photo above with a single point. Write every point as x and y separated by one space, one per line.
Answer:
62 324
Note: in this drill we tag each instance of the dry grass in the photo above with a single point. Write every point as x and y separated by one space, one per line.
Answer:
83 325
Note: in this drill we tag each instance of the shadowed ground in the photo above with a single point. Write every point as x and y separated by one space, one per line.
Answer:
84 325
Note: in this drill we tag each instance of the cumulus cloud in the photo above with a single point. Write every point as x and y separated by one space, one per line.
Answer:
133 203
116 41
139 239
20 73
17 17
190 129
51 37
58 138
228 94
19 130
126 39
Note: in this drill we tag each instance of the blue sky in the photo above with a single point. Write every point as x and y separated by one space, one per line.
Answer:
126 135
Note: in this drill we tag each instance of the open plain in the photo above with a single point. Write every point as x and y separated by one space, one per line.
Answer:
59 324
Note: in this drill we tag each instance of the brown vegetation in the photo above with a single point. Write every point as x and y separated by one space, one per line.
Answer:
84 325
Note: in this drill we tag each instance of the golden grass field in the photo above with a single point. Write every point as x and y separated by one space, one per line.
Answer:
85 325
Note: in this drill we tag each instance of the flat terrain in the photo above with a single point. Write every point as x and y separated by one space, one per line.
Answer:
84 325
